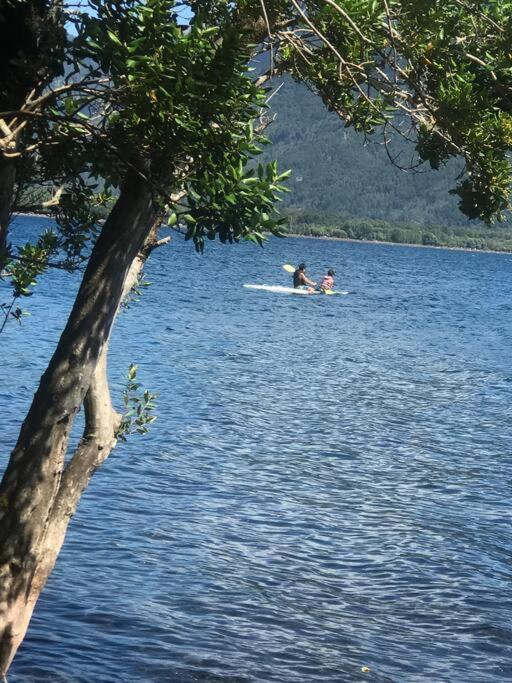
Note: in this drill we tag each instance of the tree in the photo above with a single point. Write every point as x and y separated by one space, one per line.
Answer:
162 112
178 114
32 39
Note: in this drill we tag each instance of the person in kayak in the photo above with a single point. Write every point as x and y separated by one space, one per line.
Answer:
328 281
300 279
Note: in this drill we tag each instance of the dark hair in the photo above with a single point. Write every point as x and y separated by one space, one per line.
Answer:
331 272
302 266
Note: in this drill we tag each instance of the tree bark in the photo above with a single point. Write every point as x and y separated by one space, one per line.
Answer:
38 494
7 181
101 423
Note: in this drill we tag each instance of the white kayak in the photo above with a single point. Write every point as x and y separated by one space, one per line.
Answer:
279 289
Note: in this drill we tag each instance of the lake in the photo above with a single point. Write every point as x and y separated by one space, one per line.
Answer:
327 486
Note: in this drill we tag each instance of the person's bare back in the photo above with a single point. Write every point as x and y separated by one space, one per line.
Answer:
300 279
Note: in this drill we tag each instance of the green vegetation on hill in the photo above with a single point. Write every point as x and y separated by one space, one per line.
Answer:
334 171
315 224
342 187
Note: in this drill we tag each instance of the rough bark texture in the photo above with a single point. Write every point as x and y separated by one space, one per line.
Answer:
101 423
38 494
7 181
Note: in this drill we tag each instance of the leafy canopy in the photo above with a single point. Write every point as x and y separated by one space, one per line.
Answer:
175 101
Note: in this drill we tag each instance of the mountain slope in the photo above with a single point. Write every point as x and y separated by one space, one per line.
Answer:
334 172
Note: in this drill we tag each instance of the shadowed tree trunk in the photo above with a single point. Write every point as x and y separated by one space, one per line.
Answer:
39 491
7 181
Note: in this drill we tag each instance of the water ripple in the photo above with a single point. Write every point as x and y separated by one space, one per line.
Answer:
327 487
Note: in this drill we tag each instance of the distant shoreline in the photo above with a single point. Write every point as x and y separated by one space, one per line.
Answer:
31 214
398 244
344 239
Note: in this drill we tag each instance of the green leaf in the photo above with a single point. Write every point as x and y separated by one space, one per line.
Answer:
114 38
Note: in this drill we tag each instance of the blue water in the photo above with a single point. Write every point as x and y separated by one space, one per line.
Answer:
327 486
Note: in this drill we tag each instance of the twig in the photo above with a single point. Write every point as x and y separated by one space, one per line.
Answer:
481 14
265 15
4 323
391 37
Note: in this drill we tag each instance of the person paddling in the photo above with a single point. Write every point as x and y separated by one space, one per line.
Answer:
300 279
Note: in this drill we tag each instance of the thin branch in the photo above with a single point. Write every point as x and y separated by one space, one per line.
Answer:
482 15
264 10
478 61
263 78
8 313
348 19
58 265
391 37
317 31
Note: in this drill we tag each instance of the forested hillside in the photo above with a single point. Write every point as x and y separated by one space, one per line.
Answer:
335 172
343 185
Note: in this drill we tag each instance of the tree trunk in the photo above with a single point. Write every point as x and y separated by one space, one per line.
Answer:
101 423
7 181
37 494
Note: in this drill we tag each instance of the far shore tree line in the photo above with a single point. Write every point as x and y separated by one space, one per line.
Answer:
147 112
317 224
325 224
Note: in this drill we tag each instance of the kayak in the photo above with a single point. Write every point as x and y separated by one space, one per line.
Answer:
279 289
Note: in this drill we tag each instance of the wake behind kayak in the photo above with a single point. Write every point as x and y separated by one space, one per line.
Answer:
279 289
